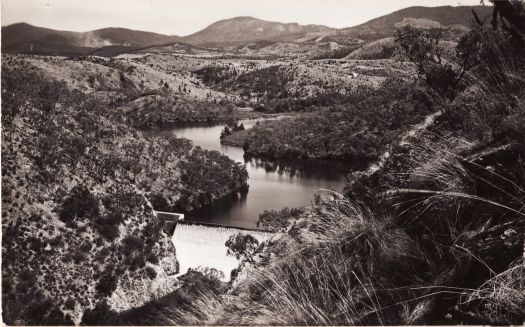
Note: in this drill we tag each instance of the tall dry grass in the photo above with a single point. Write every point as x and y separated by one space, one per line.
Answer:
346 275
500 299
354 266
493 104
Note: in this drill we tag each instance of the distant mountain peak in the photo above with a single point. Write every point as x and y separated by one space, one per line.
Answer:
443 16
240 30
26 38
245 29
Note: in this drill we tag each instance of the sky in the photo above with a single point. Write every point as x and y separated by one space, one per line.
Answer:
183 17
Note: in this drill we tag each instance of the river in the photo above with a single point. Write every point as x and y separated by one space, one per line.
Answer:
273 185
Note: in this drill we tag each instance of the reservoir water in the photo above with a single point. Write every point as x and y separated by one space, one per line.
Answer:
273 185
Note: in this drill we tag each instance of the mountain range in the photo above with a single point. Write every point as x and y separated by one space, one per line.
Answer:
25 38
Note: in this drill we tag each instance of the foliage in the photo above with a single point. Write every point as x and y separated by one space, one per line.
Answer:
107 284
209 278
493 109
211 75
343 132
242 246
151 272
80 163
422 48
500 299
155 110
208 176
159 202
278 220
19 86
269 81
234 128
225 132
101 314
196 300
80 204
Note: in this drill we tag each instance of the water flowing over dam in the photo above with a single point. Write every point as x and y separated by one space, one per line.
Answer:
199 245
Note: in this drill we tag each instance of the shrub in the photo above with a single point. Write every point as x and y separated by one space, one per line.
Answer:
151 272
501 299
242 246
159 202
132 243
278 220
101 315
79 205
107 284
334 277
108 226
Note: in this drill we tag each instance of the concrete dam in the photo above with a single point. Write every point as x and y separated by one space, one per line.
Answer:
199 244
202 245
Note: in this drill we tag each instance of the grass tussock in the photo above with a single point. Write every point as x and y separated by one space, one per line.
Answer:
440 240
357 270
447 212
501 298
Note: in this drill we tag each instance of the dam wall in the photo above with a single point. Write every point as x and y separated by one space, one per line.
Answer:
204 245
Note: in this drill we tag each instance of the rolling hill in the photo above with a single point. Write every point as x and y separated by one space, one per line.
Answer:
242 30
238 31
458 18
26 38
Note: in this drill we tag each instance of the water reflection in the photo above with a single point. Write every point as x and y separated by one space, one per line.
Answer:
311 169
274 184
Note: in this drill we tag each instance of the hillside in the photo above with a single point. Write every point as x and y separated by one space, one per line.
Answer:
423 226
25 38
240 30
78 191
458 18
430 234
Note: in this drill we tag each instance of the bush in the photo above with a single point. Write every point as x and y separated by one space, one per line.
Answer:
107 284
278 220
108 226
159 202
332 278
101 315
79 205
151 272
242 246
131 244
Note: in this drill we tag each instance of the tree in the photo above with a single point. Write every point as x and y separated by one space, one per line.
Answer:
423 48
229 110
237 128
225 132
107 284
242 246
511 15
80 204
159 202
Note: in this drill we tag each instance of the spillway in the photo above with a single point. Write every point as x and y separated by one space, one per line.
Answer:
199 245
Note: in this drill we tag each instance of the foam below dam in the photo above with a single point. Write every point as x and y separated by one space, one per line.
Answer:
204 246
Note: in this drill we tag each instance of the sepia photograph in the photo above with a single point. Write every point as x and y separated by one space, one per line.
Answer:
262 162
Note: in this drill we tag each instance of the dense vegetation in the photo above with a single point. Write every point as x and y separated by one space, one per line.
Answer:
432 235
435 234
155 110
76 183
359 129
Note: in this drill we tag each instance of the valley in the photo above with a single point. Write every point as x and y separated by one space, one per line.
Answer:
366 175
